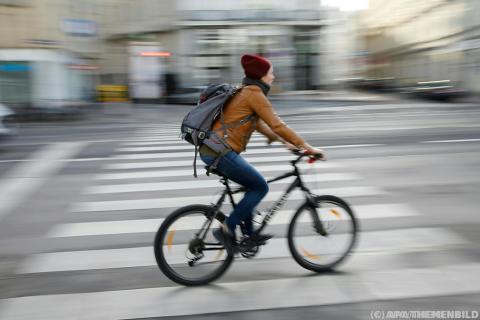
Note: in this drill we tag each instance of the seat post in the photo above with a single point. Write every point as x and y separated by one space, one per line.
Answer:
224 181
214 171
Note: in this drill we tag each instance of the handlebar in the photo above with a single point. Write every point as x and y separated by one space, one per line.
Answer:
304 153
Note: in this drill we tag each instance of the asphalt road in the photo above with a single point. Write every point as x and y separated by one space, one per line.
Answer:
80 203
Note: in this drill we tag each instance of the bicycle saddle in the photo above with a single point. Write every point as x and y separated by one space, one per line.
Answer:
214 171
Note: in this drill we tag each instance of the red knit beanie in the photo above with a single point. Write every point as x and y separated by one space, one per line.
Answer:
255 67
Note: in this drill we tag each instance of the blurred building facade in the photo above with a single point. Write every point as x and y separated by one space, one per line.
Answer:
48 51
54 51
201 41
427 40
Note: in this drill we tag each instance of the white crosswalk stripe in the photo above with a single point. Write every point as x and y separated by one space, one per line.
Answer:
172 148
181 185
154 143
282 217
273 148
249 295
158 203
373 241
175 139
179 155
129 185
172 138
188 172
270 150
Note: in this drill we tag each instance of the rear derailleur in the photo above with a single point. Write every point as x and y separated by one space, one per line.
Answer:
195 251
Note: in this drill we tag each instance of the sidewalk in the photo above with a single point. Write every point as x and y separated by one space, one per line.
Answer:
333 95
320 99
51 114
358 96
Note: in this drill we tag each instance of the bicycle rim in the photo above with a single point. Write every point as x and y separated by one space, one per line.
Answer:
318 252
185 257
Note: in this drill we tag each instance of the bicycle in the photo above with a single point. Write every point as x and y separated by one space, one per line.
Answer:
199 259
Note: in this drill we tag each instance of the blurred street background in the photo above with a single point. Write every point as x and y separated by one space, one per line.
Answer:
92 94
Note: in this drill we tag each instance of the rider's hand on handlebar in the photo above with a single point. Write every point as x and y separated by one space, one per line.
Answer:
313 153
318 153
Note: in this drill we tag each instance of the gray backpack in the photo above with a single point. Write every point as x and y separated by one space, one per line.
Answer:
197 125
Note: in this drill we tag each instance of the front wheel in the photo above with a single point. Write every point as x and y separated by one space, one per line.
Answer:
322 236
186 250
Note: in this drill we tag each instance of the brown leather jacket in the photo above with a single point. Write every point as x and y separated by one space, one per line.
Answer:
251 101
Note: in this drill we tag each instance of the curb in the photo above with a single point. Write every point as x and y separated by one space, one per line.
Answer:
334 100
49 115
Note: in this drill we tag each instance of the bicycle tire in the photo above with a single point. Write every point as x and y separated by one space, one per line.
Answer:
160 258
298 257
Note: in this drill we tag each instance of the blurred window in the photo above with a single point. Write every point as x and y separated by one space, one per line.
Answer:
12 3
212 49
15 87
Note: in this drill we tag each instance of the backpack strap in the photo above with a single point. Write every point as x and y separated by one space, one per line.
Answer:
236 124
195 162
214 164
195 141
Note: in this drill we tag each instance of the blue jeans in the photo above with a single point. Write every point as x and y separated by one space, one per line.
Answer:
235 168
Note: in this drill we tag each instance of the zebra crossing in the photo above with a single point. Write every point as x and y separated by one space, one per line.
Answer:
145 175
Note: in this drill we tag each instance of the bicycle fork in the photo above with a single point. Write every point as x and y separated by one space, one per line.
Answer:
317 223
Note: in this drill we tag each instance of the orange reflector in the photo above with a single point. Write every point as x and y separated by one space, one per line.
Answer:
170 235
309 255
335 213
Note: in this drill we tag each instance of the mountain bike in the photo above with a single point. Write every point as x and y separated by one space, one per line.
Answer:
321 233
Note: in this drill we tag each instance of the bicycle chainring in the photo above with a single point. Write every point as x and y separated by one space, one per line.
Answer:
196 246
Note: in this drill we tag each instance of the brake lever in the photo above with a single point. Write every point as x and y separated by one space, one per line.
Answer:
314 157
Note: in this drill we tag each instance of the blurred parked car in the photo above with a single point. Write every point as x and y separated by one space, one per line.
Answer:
442 90
373 84
8 123
188 95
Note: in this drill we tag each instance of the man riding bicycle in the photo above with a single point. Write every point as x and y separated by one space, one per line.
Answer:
250 101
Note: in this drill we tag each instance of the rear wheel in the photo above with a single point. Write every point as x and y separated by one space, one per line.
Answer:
320 238
185 249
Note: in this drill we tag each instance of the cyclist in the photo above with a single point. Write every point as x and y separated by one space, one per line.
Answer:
251 100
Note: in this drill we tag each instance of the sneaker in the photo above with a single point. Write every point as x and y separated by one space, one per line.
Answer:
261 238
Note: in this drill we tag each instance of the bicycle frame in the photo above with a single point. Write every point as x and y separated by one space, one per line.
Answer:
297 183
